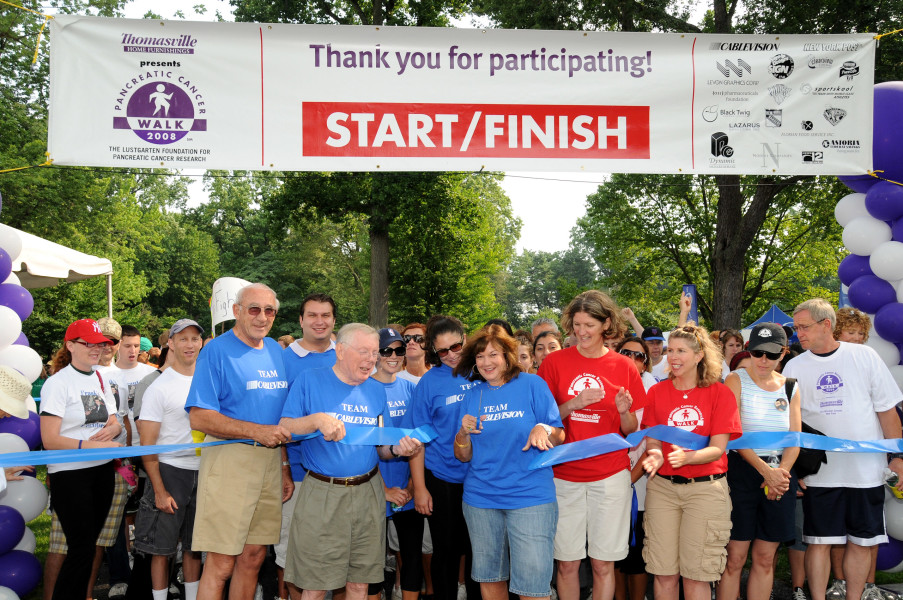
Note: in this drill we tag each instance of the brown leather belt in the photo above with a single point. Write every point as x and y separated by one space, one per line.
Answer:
346 481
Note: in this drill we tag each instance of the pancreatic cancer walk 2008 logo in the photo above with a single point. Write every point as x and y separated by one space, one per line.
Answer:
160 111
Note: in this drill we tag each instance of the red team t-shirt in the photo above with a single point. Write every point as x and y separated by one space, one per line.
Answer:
567 372
706 411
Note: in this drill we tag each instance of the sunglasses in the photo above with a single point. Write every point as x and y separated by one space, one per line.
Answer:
387 352
633 354
453 348
768 355
417 338
254 311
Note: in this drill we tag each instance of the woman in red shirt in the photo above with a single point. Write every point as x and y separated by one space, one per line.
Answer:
688 507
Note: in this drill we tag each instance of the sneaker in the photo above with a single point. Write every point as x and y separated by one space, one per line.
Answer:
121 588
462 592
396 593
837 591
799 594
554 594
888 595
871 593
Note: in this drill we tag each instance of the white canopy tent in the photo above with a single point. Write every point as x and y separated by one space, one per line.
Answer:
43 263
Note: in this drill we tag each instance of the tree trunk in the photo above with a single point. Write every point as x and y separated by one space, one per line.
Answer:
379 272
729 255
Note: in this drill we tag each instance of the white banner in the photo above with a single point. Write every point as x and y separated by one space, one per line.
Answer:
225 289
146 93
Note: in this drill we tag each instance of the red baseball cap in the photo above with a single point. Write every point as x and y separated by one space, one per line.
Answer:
88 330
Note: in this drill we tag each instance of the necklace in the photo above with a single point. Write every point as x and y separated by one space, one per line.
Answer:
686 393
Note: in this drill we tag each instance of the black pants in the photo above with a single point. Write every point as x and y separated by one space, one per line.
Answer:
81 499
450 539
409 525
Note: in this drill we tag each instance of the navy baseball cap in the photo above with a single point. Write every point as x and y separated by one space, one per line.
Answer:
387 335
653 333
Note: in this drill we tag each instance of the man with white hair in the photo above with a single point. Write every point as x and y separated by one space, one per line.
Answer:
338 530
237 392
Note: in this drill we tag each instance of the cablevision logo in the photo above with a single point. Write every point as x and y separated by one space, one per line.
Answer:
160 107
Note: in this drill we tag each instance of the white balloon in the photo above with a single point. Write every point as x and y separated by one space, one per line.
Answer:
13 278
886 261
850 207
10 442
10 326
28 496
23 359
863 234
7 594
893 515
888 351
10 241
28 543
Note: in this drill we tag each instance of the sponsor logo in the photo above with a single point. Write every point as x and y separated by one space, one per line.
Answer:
182 44
744 47
849 69
779 92
773 117
831 47
720 147
843 146
771 155
820 62
161 111
736 67
781 66
710 113
834 115
743 125
838 92
814 157
806 125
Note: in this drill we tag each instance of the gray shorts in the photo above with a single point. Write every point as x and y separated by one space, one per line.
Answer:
157 533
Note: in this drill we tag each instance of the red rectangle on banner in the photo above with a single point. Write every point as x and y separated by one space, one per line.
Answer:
381 129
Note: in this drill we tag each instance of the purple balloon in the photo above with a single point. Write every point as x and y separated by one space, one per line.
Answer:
6 265
17 298
29 428
858 183
887 152
22 341
12 527
869 293
884 201
889 322
20 571
852 267
889 555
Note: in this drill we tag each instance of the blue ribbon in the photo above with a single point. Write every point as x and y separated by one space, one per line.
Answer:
354 436
612 442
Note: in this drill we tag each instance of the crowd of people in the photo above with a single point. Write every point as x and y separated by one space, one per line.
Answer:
462 514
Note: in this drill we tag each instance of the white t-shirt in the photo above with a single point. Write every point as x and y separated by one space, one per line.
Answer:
658 371
648 380
124 383
412 378
84 404
840 396
164 403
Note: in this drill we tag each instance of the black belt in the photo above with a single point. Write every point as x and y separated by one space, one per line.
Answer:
682 480
346 481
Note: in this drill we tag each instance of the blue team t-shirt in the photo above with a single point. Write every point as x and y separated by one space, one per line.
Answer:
499 476
397 472
239 381
435 403
320 390
294 365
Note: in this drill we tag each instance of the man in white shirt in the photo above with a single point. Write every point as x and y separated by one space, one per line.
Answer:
846 392
126 376
655 340
166 513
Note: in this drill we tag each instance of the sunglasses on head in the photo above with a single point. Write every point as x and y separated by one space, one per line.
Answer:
768 355
633 354
453 348
387 352
254 311
417 338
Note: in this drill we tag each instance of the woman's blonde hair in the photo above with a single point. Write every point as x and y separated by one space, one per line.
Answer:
599 306
708 370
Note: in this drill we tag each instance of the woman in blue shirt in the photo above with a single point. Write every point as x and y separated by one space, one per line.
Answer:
506 420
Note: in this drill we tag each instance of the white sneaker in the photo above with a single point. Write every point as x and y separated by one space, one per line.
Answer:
837 591
396 593
462 592
799 594
888 595
871 593
118 590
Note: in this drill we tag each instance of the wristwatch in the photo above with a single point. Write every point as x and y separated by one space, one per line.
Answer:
548 428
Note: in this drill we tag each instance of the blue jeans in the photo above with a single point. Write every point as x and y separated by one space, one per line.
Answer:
528 533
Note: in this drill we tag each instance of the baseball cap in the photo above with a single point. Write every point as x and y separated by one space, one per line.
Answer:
88 330
387 335
769 337
146 344
653 333
110 328
14 390
182 324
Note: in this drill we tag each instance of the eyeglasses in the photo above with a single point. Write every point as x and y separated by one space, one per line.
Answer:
87 345
804 328
387 352
365 353
417 338
254 310
768 355
633 354
453 348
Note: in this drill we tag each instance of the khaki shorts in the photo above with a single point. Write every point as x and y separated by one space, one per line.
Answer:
687 528
593 515
107 537
239 498
337 535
